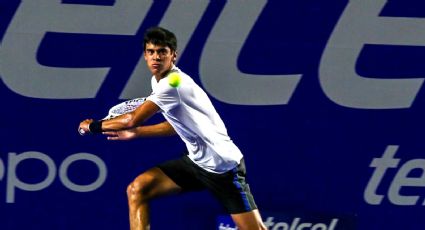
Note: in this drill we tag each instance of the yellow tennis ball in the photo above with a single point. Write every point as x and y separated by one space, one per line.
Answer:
174 79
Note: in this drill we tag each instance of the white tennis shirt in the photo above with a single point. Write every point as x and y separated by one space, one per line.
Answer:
189 110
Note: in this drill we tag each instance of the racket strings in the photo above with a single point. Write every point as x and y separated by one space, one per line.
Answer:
125 107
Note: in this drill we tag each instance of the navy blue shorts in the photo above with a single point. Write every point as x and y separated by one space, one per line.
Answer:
230 188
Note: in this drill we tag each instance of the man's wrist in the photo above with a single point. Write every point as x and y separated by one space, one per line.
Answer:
96 127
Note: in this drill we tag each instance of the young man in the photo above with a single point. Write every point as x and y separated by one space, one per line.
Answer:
213 161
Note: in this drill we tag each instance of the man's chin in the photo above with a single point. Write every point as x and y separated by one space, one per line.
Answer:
155 71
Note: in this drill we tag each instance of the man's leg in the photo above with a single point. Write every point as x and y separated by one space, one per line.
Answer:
249 220
146 186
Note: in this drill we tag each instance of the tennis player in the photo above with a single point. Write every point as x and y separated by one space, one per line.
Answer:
213 162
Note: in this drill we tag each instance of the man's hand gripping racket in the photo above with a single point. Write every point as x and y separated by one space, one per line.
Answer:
119 109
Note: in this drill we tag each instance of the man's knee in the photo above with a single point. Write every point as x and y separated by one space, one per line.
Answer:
249 221
130 190
138 190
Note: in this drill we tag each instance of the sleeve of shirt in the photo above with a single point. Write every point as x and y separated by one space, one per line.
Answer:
165 96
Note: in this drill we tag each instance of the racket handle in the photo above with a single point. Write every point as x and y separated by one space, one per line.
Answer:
82 132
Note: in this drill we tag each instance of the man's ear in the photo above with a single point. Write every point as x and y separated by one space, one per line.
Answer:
144 55
175 56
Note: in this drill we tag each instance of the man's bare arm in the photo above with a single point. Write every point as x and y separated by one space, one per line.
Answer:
125 121
132 119
157 130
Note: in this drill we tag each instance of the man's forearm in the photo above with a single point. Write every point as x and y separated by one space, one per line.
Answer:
160 129
132 119
117 123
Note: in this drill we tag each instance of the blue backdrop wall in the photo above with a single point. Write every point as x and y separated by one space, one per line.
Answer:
324 98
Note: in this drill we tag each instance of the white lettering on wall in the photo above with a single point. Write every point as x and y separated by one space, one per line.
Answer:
361 24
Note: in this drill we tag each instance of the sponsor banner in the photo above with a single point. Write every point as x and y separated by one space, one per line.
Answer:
299 221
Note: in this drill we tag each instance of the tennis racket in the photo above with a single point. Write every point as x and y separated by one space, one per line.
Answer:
119 109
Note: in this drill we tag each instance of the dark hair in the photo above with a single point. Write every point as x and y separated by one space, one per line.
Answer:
160 36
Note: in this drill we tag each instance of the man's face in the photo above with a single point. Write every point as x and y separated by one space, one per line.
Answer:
159 59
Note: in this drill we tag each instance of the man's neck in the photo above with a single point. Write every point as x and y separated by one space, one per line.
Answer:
164 74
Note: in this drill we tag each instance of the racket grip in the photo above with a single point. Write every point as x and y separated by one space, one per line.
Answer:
82 132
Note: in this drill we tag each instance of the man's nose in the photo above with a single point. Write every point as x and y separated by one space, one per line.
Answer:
156 56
